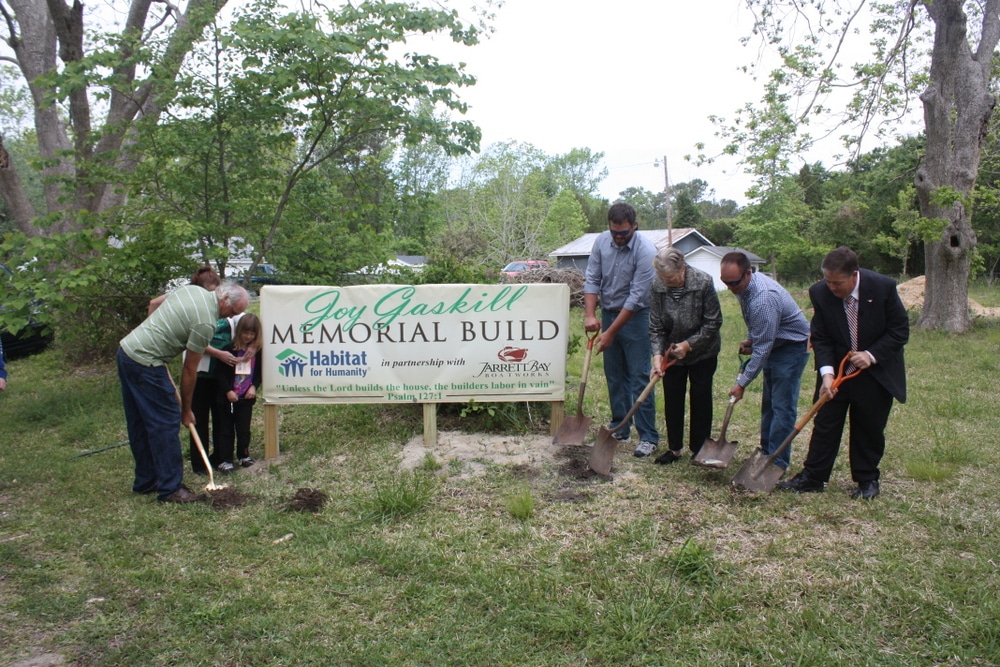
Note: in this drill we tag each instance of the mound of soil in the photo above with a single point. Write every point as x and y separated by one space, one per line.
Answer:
911 293
307 500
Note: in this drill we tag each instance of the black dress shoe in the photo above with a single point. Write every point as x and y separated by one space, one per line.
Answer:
866 490
668 457
801 483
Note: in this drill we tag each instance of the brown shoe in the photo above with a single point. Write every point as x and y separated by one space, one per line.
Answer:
184 495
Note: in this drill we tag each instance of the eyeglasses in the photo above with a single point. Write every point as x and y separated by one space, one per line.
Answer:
734 283
621 233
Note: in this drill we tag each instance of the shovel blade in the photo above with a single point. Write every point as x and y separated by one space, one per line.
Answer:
573 431
758 474
715 454
603 452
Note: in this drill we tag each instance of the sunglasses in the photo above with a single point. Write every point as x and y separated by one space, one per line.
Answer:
734 283
621 233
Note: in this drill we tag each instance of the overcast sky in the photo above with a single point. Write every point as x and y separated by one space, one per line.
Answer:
634 79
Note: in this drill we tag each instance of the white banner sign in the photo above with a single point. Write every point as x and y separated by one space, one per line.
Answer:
415 343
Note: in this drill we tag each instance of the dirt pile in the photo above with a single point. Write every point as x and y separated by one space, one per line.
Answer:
307 500
911 293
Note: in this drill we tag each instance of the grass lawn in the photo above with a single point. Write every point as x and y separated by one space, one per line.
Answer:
522 565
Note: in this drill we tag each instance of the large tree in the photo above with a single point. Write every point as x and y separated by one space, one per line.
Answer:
813 41
154 139
88 97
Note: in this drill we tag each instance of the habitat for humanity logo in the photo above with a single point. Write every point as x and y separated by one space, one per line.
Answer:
291 363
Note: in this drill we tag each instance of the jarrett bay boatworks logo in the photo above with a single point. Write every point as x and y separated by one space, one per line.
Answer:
514 363
515 354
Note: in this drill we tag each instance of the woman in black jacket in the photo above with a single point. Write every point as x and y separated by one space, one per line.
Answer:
685 319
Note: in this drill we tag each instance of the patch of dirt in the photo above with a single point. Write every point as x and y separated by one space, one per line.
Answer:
307 500
525 471
575 464
911 293
475 451
227 498
570 495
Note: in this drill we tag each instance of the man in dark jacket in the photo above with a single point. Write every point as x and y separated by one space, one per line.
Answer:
856 311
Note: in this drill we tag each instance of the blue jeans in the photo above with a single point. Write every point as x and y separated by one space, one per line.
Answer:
779 405
626 367
153 419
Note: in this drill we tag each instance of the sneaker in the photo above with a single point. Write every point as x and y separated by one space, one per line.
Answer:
644 448
246 461
620 436
225 467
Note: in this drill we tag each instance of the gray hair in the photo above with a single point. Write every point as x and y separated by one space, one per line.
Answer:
669 262
232 294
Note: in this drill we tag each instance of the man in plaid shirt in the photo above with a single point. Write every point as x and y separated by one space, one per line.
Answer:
777 340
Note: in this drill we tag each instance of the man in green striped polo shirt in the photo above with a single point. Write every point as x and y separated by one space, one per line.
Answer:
185 321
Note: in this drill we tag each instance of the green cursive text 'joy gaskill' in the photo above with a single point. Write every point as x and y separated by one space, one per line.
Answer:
400 303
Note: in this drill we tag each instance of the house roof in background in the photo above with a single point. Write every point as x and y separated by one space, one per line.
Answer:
583 245
721 250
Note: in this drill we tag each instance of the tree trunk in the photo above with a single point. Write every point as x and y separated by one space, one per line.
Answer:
957 107
45 33
10 188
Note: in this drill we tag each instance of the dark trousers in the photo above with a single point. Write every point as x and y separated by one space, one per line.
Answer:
866 404
204 404
153 418
675 383
239 415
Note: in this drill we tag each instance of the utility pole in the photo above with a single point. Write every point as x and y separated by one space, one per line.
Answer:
666 192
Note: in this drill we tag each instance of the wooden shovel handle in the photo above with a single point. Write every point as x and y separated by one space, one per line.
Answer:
823 398
195 436
586 371
665 364
725 419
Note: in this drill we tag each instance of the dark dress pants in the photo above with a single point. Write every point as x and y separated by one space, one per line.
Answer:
865 404
699 376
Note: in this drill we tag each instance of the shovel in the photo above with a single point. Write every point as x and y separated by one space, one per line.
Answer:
759 473
574 429
606 445
212 486
718 453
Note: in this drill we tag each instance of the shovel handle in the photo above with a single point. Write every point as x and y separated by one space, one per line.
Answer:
823 398
586 371
664 365
725 419
204 456
195 437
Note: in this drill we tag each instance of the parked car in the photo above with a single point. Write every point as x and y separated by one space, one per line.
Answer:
523 265
263 274
31 339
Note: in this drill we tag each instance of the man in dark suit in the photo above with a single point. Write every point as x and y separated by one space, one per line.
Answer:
881 330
